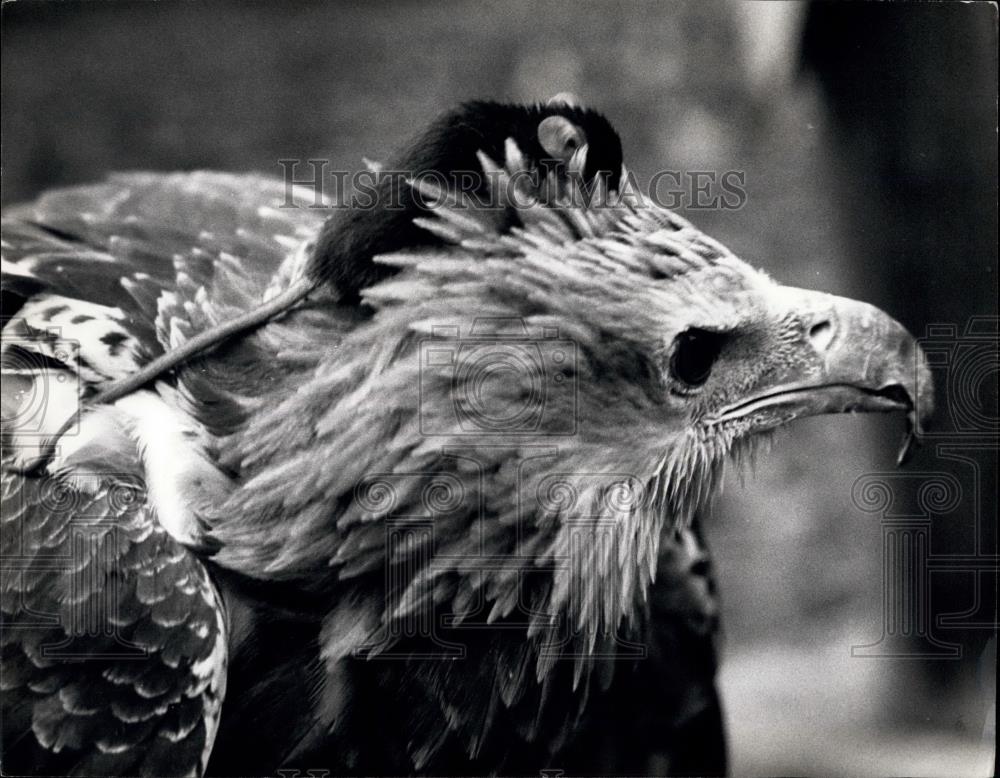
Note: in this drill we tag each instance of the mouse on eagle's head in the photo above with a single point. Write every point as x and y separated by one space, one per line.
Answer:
551 136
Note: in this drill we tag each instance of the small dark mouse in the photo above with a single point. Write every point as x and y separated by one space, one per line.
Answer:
547 134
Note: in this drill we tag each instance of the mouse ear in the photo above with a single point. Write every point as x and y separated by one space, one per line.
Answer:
560 137
565 98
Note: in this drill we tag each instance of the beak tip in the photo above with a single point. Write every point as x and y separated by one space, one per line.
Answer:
918 419
911 442
918 422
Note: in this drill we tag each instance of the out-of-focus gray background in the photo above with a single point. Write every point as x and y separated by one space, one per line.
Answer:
867 135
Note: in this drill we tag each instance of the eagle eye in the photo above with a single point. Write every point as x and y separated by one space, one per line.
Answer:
694 353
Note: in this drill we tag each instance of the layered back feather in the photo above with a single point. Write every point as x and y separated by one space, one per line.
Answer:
115 637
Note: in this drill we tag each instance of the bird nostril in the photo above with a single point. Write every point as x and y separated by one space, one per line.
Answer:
821 334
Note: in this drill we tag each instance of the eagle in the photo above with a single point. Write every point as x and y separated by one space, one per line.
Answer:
435 510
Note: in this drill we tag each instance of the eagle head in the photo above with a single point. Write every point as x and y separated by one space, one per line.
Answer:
526 412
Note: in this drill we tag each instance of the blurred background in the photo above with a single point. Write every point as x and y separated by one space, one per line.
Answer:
859 601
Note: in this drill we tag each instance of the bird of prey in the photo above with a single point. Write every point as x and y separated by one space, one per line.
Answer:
436 516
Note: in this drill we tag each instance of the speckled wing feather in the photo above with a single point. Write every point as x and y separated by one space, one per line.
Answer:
99 279
114 637
114 634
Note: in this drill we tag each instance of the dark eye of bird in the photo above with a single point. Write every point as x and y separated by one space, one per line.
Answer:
694 354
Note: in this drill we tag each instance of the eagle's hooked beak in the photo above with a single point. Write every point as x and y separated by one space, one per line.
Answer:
836 355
